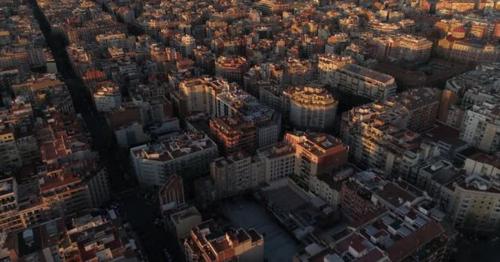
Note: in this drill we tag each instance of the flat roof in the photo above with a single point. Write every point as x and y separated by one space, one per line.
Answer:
369 73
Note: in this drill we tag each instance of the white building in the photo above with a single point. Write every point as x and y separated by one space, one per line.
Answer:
311 107
278 161
407 48
354 79
185 154
482 164
240 172
476 204
380 134
107 97
481 127
327 186
471 88
130 135
235 174
471 201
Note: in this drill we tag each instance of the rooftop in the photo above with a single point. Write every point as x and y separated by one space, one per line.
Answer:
236 62
316 143
46 81
369 73
173 146
106 88
308 95
443 173
276 150
178 217
493 160
395 195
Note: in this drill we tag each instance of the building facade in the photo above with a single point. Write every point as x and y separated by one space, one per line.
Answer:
481 127
208 242
186 153
354 79
315 154
311 107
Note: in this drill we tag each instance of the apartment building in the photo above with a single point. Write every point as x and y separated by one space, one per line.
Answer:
436 177
107 96
40 89
467 50
421 105
38 242
271 95
407 48
171 194
315 153
231 68
22 207
218 99
380 134
98 237
9 153
297 72
328 63
264 73
234 134
186 45
183 221
237 102
278 161
208 242
476 204
240 172
482 164
195 94
117 39
132 134
98 186
312 108
356 198
481 127
354 79
327 186
9 205
236 173
461 92
63 190
186 153
471 200
412 235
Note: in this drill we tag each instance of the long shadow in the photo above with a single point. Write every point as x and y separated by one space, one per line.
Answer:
102 136
139 214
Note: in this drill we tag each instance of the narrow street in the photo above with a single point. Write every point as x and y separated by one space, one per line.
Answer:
134 209
102 136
